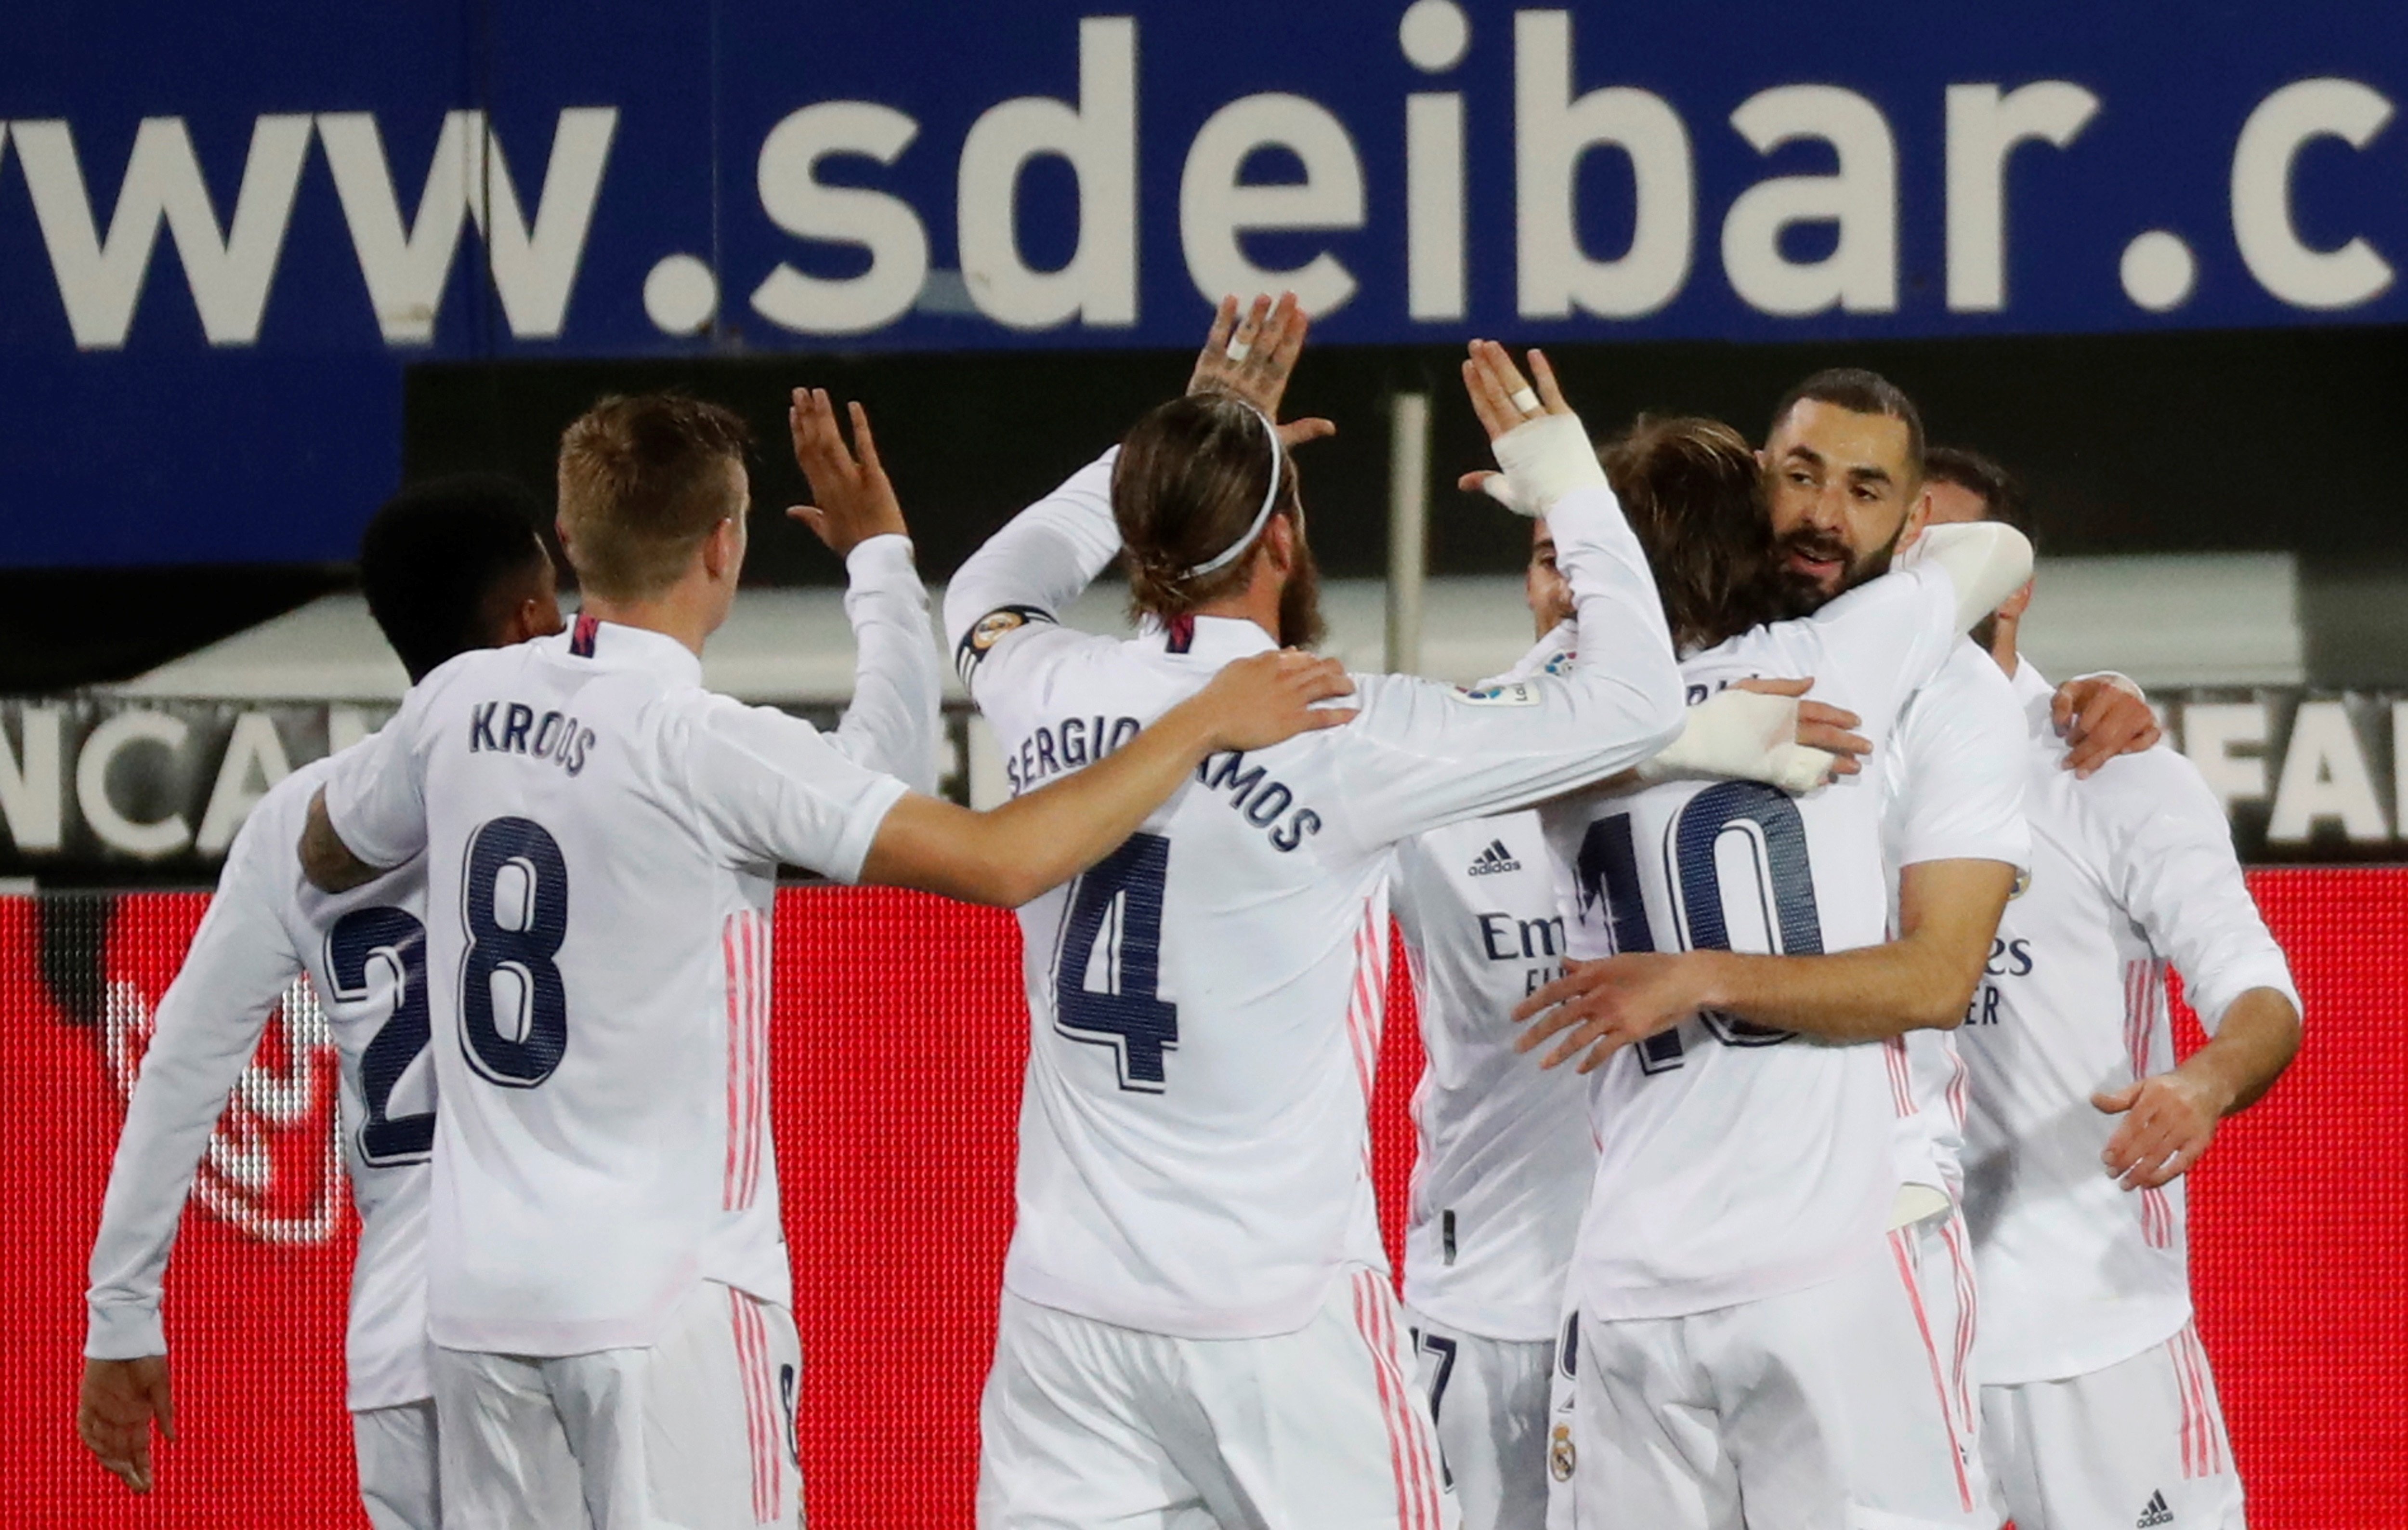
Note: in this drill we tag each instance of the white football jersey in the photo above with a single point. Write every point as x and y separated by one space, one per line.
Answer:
365 954
1736 1161
2131 870
1504 1151
603 836
1205 1004
1951 786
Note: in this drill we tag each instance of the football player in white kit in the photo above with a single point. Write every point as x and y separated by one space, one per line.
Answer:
1750 1340
2099 1405
1838 472
607 1291
447 566
1953 831
1197 1327
1503 1151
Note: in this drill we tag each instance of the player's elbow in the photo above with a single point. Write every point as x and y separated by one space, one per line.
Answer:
326 860
1009 890
1006 876
1940 1002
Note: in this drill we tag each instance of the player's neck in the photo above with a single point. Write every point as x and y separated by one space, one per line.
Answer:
1258 602
686 612
2003 645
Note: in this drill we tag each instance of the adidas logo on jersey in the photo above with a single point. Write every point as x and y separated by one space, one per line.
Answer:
2157 1513
1494 860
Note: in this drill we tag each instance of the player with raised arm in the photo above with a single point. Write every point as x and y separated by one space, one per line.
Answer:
607 1290
2097 1400
447 566
1744 1333
1503 1151
1846 487
1195 1321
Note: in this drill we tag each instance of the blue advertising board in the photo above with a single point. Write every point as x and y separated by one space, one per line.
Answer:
225 231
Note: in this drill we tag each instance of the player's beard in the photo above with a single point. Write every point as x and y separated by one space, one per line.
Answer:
1299 614
1803 597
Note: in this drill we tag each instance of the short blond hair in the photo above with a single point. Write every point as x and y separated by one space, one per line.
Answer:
642 481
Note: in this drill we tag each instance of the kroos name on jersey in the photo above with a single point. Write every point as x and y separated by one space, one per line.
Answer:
552 736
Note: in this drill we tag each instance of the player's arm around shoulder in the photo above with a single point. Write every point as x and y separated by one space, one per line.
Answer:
1967 841
1012 854
2178 878
370 816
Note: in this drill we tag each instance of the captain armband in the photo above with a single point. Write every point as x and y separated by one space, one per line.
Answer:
990 629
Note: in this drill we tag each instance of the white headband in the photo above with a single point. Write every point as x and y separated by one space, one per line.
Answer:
1262 517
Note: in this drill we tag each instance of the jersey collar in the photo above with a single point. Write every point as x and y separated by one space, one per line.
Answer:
610 645
1219 639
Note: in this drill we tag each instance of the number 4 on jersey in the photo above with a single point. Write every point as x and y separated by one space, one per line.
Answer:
1111 958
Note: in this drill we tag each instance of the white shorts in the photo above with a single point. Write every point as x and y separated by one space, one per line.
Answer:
1942 1252
1563 1401
1819 1409
2139 1443
1489 1399
695 1430
1088 1425
395 1447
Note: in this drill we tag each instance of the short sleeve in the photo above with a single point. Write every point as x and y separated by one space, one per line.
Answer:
2178 877
771 788
376 794
1962 755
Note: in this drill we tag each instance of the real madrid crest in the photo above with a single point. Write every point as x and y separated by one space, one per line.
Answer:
1561 1457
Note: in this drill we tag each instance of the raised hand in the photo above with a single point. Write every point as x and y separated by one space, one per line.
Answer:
1250 358
119 1398
1271 698
1503 402
852 501
1499 395
1538 441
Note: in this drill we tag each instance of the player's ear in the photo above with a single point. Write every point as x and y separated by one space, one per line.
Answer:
2017 604
1279 537
723 551
1918 515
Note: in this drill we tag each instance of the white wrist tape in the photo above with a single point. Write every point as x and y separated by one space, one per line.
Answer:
1746 736
1500 488
1545 459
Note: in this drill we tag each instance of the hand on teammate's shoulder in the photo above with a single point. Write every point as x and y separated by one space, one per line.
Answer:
1267 698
